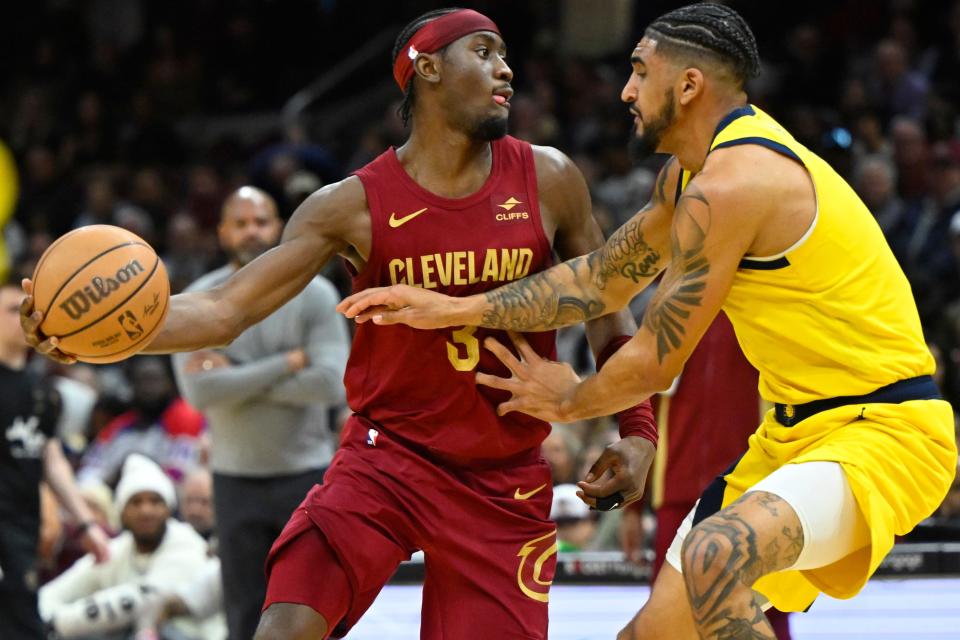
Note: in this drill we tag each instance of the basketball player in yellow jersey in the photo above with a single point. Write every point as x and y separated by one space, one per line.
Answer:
859 447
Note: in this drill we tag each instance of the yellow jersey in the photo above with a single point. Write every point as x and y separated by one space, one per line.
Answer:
833 315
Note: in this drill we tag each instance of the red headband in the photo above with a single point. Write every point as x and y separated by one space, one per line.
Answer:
435 35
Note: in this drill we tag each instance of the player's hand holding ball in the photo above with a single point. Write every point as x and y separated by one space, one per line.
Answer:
99 294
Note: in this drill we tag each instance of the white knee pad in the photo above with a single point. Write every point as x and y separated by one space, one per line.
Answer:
820 495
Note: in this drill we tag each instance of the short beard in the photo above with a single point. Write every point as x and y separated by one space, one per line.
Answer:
490 129
243 257
643 146
151 541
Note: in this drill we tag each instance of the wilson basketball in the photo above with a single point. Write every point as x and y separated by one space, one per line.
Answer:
103 292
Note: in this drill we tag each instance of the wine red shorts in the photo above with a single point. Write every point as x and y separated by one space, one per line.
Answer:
490 547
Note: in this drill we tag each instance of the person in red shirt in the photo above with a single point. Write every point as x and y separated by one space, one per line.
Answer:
426 461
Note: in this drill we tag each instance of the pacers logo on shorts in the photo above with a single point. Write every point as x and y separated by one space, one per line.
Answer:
538 560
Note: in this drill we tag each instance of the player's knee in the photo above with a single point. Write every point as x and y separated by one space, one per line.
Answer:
714 547
285 621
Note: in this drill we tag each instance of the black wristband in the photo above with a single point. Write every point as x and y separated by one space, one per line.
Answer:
608 503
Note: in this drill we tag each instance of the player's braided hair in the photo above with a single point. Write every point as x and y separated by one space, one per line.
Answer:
712 28
406 107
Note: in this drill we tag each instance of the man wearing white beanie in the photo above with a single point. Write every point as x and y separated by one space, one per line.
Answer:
154 553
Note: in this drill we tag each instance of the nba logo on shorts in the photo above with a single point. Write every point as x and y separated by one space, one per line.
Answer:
372 436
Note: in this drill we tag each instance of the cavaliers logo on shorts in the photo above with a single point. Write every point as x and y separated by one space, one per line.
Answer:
538 561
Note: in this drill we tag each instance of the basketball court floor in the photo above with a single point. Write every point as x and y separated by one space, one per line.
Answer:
887 609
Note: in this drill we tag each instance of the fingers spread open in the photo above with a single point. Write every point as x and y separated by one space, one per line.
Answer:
495 382
523 347
504 355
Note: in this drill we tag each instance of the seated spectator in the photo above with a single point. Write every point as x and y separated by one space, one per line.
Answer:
153 554
160 425
201 599
196 501
561 449
575 524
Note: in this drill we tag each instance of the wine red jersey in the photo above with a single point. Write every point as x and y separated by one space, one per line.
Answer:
418 385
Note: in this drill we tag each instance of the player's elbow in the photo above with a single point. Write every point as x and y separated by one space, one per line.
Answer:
660 382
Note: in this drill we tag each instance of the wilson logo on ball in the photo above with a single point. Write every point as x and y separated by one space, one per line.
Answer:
81 300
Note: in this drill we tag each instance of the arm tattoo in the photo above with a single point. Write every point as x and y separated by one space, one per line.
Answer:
659 192
547 300
627 253
685 281
541 301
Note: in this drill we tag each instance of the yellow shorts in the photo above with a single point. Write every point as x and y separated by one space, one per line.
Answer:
900 460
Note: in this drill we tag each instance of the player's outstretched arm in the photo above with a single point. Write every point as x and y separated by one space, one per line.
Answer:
580 289
328 222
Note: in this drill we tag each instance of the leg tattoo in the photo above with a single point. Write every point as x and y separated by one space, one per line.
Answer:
725 554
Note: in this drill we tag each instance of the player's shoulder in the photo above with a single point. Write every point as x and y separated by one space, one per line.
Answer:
558 177
749 172
346 197
337 210
550 162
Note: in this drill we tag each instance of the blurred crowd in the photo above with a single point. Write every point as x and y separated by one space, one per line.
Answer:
147 117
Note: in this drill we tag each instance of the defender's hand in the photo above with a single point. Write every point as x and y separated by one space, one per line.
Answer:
401 304
622 467
540 387
30 320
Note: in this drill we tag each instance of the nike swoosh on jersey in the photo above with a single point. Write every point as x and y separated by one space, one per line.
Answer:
523 496
396 222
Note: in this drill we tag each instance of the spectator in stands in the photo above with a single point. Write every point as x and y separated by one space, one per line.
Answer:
199 599
902 91
561 449
196 501
875 179
575 523
188 254
154 553
268 398
160 425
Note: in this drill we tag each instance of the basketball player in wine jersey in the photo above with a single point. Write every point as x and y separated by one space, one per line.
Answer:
426 462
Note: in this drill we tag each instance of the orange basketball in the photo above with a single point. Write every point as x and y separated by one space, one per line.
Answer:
103 292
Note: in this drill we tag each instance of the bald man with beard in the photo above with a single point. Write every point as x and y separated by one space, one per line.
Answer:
266 397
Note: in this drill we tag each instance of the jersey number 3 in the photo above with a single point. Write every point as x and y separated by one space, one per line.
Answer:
464 338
